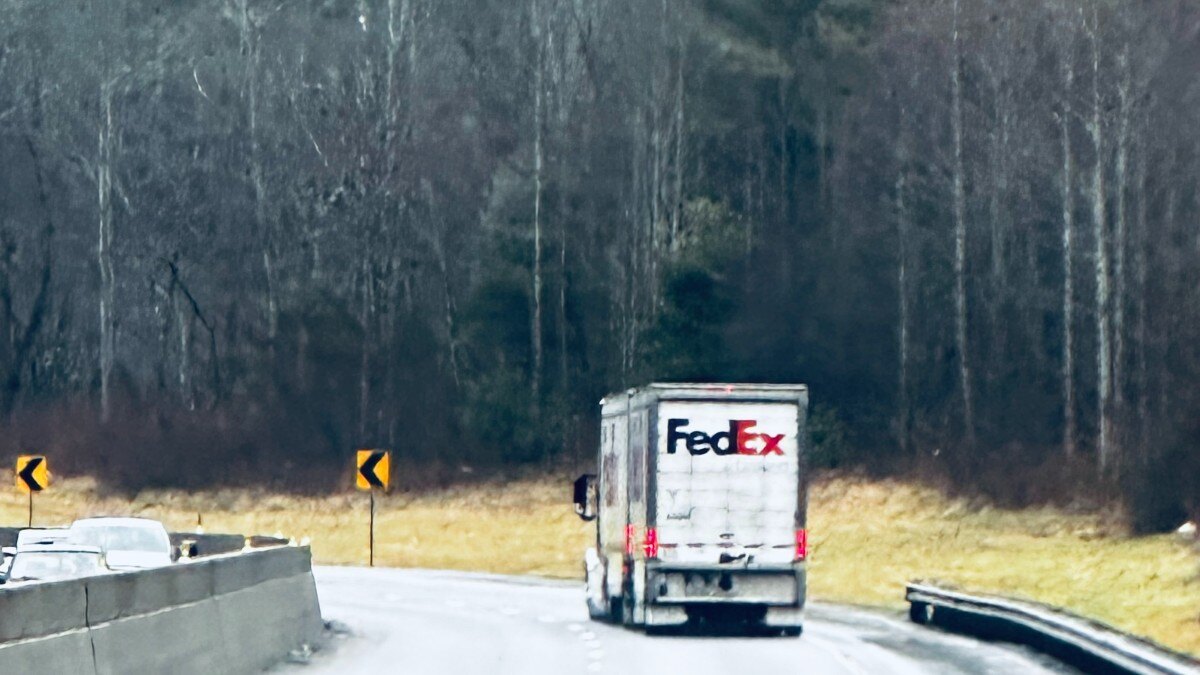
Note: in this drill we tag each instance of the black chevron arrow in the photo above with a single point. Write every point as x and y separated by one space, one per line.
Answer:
367 469
27 474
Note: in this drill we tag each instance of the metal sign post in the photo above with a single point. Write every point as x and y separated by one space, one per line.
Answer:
374 473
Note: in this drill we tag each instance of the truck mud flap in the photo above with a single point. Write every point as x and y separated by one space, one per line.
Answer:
639 593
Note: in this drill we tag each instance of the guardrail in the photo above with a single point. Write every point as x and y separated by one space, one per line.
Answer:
234 613
1086 644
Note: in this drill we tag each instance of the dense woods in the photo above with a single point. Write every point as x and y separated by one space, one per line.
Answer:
241 238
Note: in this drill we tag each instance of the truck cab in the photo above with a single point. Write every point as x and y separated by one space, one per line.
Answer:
700 505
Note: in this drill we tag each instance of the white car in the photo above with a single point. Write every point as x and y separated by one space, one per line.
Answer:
128 543
53 561
41 535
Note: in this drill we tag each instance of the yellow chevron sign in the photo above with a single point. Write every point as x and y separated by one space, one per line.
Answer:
374 470
33 473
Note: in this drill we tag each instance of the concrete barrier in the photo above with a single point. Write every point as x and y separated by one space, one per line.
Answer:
260 622
235 613
209 544
206 544
8 535
69 652
38 610
262 540
180 639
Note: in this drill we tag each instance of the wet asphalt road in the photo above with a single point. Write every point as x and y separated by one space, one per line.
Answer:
424 621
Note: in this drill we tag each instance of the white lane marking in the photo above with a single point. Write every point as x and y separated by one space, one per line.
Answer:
574 627
595 667
596 654
587 636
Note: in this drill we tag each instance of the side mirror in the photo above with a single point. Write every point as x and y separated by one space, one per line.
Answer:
586 496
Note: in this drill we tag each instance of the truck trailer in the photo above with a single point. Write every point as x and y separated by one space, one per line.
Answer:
700 506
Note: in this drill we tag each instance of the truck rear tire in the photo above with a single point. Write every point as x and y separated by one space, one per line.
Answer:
596 612
616 610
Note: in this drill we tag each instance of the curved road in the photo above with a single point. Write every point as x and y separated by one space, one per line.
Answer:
423 621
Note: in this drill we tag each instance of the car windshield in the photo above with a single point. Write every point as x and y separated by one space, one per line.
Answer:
55 565
123 538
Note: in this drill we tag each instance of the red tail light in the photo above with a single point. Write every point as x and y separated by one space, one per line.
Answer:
801 545
630 535
650 544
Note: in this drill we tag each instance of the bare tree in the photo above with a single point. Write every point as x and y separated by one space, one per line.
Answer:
960 236
1099 204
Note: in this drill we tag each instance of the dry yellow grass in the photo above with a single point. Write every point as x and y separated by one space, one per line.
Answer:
868 538
520 528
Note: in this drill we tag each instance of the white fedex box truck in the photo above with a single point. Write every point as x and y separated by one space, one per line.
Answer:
700 506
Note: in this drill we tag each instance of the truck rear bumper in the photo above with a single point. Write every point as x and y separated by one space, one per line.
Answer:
782 587
784 617
666 615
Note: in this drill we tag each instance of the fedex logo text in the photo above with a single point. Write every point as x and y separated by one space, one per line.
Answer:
739 439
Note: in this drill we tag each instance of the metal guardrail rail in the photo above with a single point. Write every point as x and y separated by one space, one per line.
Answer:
1086 644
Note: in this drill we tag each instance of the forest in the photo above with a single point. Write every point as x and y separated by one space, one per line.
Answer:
239 239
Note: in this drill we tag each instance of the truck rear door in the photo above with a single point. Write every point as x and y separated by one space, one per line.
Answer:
728 482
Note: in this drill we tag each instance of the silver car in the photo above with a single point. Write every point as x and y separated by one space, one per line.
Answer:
128 543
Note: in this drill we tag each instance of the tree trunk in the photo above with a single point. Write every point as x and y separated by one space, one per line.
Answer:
784 202
680 139
104 250
960 240
748 197
904 410
656 191
1140 262
822 143
250 49
1100 232
536 327
364 378
1068 252
184 320
999 169
1119 281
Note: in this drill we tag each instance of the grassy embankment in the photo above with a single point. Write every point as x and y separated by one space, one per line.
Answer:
867 539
